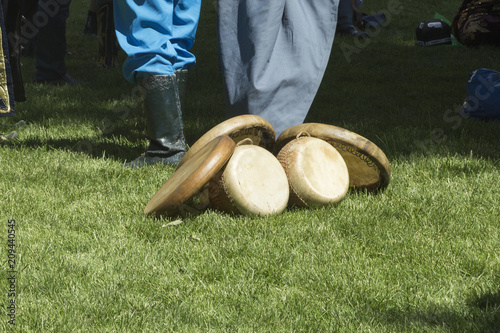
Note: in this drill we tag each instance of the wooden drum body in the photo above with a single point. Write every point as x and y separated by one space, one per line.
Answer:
369 168
238 128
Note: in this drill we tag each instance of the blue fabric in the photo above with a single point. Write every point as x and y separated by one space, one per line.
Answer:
156 35
345 20
273 55
483 95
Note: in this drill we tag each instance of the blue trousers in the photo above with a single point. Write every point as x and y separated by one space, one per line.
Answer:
156 35
345 20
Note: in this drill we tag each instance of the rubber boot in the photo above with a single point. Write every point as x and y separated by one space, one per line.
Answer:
164 127
181 76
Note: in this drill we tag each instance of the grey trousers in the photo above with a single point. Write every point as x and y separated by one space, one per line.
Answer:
273 54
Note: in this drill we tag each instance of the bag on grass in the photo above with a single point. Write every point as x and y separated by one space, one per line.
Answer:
477 22
483 95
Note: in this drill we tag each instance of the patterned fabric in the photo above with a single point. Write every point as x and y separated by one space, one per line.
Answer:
478 22
13 11
107 56
6 85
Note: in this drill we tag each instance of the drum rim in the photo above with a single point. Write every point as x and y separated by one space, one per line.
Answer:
345 137
167 201
228 127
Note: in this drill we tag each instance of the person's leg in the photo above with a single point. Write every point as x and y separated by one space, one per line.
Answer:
185 23
152 41
345 24
50 48
91 23
145 31
28 29
273 56
186 16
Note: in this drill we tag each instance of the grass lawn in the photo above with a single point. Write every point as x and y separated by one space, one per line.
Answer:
422 256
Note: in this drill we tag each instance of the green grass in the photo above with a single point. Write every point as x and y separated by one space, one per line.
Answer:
422 256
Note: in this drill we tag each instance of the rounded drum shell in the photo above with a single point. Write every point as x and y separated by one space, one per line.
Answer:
238 128
191 178
369 168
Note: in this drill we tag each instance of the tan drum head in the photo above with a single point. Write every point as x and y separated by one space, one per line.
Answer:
189 179
256 128
253 182
316 172
367 164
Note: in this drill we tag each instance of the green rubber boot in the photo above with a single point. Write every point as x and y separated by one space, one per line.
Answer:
182 76
164 127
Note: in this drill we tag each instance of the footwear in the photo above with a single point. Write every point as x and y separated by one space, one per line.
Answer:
164 127
91 24
353 32
149 158
66 79
181 76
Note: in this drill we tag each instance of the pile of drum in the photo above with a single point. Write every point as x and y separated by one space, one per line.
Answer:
239 167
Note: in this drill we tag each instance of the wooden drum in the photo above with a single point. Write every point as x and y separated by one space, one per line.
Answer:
317 173
252 182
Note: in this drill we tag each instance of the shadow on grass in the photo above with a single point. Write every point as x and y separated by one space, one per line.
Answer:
92 148
402 97
482 314
117 122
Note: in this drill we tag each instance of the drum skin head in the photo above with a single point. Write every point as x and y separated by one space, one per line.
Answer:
368 166
189 179
316 172
256 128
253 182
